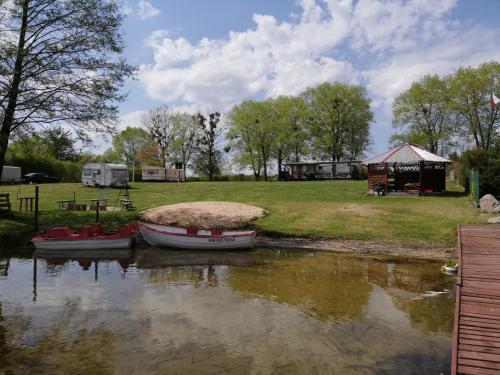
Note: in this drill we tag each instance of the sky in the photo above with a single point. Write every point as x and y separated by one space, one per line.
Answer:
194 55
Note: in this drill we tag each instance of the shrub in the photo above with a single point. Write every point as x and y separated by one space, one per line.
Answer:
488 165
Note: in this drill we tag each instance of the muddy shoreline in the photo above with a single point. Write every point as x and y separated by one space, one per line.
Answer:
13 242
357 246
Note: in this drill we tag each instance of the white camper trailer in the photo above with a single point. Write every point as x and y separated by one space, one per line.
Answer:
10 175
105 175
151 173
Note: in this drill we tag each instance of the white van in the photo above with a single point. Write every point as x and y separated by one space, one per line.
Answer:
105 175
10 175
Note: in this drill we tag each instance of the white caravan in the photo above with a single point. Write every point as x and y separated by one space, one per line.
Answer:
151 173
10 175
105 175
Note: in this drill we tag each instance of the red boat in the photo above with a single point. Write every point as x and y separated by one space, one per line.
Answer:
92 237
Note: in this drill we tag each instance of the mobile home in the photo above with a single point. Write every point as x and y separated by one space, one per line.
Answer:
152 173
321 170
105 175
10 175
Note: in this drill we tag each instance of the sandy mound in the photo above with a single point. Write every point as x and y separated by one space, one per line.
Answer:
205 214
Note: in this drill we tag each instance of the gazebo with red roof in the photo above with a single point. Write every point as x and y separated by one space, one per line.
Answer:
407 168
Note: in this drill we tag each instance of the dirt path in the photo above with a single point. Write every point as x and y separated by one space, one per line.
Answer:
354 246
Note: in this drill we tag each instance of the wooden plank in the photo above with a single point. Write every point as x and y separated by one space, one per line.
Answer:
478 348
481 341
476 334
493 358
475 371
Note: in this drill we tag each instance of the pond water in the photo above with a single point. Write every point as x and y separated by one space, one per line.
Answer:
260 312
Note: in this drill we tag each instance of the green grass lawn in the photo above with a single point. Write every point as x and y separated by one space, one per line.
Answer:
328 209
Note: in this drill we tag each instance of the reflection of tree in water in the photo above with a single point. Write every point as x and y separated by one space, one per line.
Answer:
324 285
196 275
59 349
406 282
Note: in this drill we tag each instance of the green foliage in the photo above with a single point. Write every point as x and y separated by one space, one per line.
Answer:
108 156
187 132
67 171
488 165
61 64
60 144
129 143
471 91
254 127
160 125
339 117
423 115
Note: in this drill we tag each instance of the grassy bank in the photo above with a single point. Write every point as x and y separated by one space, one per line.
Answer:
327 209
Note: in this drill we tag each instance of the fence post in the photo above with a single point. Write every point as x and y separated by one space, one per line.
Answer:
97 212
35 225
474 186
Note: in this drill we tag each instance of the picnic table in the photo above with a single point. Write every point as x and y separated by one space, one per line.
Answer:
27 202
103 202
65 203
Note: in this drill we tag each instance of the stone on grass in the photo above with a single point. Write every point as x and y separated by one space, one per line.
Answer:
494 220
489 203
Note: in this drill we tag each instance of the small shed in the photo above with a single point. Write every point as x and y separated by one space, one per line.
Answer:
407 168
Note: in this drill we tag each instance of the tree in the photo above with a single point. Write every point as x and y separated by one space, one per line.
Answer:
424 116
129 143
186 133
471 91
159 122
61 63
290 141
208 159
242 136
339 117
59 143
108 156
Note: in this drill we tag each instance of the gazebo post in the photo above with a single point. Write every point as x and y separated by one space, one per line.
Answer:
420 177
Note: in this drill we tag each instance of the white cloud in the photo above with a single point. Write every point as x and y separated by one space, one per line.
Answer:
384 44
147 10
132 119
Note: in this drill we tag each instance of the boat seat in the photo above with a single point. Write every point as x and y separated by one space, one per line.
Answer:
59 232
192 231
85 233
216 232
95 229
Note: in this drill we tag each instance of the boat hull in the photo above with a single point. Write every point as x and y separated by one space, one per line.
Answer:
158 235
86 244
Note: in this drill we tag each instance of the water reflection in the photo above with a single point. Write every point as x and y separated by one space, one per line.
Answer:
258 312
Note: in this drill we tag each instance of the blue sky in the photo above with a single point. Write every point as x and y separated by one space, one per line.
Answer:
199 54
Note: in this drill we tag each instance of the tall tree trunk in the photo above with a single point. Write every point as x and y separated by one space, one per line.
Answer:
8 118
280 162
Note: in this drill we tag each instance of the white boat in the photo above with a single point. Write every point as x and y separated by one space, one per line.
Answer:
196 238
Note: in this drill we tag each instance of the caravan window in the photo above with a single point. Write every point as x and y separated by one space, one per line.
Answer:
96 172
120 173
87 172
152 171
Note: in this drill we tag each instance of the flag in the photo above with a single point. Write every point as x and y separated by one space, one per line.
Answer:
495 102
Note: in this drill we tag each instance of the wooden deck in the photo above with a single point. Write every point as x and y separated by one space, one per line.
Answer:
476 336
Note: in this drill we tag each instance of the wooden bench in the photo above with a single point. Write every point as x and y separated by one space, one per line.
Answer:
5 208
